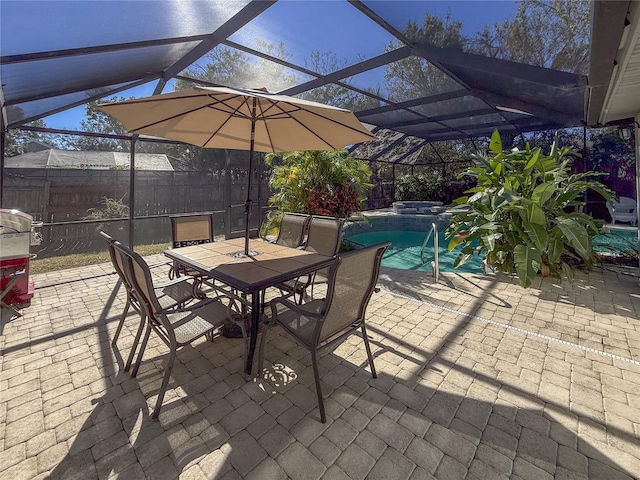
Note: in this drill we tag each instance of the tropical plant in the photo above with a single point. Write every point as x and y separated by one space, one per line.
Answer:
318 182
525 214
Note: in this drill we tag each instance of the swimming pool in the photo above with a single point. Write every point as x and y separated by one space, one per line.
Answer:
618 241
404 252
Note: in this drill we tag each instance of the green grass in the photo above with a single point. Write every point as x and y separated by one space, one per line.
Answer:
52 264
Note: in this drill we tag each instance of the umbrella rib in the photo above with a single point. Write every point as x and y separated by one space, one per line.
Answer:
165 119
266 127
230 115
186 112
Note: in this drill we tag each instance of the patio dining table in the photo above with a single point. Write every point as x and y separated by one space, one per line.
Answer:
266 266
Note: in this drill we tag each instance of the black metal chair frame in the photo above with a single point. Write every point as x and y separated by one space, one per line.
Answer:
317 311
315 243
178 292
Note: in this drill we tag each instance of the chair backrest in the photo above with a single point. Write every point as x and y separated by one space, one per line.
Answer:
324 235
625 205
352 280
191 229
293 227
117 261
138 275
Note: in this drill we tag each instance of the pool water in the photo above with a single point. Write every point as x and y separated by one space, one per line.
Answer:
619 240
404 252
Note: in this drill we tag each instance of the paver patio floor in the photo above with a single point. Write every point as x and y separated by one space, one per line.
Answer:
477 378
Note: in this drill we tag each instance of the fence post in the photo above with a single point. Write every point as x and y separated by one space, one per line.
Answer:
132 190
45 211
226 195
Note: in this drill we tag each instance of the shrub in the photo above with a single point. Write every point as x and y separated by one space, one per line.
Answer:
113 208
425 186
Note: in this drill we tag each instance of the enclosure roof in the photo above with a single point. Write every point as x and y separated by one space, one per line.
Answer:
59 55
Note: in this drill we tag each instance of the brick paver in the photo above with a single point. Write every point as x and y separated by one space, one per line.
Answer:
477 378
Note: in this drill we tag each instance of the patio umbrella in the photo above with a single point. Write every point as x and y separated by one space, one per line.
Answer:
253 120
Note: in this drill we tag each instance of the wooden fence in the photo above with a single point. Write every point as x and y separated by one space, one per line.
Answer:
60 196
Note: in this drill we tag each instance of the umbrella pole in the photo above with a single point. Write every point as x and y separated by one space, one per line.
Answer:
247 203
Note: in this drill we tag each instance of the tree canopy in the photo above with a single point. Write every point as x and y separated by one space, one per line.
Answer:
552 34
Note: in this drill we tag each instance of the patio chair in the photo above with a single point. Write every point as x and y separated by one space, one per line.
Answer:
324 322
170 294
323 236
293 228
187 230
176 326
623 210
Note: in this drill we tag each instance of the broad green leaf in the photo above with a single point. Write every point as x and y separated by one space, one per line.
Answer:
554 252
490 240
477 196
495 145
537 233
547 164
462 259
568 196
554 145
490 225
511 238
455 241
542 193
527 262
508 185
533 214
567 272
576 235
534 159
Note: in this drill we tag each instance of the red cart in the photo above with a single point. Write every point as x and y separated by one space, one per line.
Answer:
16 237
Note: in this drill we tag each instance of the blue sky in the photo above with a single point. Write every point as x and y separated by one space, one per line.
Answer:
303 26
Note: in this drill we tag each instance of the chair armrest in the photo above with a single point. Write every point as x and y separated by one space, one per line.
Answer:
292 306
175 281
163 264
201 304
191 307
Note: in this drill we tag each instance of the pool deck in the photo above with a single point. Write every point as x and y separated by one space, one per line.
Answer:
477 378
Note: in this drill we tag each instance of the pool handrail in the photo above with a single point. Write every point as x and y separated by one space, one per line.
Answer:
436 247
436 252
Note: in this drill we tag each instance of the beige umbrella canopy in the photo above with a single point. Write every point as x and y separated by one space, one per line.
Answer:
253 120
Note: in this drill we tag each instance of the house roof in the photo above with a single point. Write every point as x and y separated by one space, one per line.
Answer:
88 160
614 72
